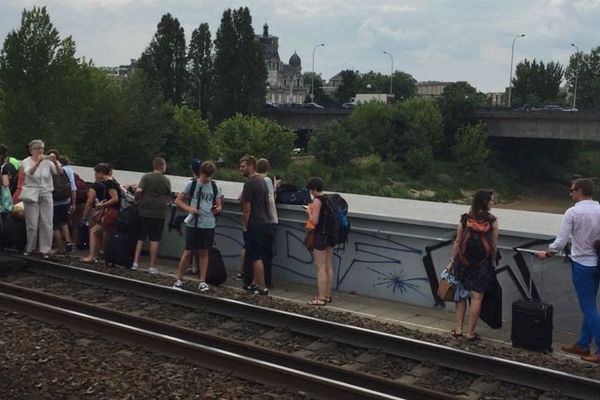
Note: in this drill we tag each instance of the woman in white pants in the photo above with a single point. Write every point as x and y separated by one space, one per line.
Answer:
37 197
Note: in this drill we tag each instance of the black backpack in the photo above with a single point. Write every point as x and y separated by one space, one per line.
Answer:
129 219
336 224
62 187
475 247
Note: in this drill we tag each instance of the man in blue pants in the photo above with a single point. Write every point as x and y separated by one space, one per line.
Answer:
582 224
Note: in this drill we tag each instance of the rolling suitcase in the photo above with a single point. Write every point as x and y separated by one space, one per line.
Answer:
13 234
532 324
120 250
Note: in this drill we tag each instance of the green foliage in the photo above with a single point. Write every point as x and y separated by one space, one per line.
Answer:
201 68
240 71
536 83
587 68
241 134
371 128
418 160
426 125
189 137
458 104
471 150
37 69
320 96
165 58
332 144
404 86
351 84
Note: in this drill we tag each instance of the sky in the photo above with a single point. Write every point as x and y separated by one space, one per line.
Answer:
433 40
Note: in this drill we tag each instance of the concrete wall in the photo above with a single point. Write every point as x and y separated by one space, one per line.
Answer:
390 244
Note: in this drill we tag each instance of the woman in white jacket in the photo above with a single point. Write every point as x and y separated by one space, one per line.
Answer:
37 197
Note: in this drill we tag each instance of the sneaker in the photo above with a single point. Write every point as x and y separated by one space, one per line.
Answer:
261 291
46 256
239 276
134 266
249 288
203 287
178 284
68 247
153 270
26 254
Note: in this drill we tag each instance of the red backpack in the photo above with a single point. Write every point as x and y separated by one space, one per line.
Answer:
82 189
475 247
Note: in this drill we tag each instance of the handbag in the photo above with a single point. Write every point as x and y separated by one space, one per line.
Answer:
6 203
30 194
106 217
446 290
309 239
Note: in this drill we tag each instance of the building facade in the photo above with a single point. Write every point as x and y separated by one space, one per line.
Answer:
285 84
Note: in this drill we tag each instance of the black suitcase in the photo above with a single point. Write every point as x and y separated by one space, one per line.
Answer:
216 273
13 235
120 250
532 325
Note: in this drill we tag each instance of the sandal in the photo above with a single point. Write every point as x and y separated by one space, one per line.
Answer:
328 299
89 261
455 334
473 338
317 302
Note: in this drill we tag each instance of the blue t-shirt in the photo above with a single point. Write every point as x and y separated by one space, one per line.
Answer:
205 219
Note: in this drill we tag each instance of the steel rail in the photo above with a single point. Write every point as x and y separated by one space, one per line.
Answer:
507 370
317 379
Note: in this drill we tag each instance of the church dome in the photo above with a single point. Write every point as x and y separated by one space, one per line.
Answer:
295 60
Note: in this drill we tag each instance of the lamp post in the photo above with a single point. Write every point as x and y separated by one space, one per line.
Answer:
391 72
312 80
576 74
512 53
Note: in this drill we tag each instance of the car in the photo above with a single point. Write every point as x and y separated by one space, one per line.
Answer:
570 109
552 107
313 105
268 104
348 105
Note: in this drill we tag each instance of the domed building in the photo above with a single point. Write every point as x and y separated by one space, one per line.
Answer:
285 84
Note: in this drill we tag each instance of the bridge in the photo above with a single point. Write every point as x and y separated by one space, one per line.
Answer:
557 125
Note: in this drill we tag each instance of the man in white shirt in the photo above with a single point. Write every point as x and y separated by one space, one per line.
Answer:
581 223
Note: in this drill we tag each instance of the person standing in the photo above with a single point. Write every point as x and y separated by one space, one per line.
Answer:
64 204
154 194
474 260
37 197
322 249
256 223
202 199
581 223
262 168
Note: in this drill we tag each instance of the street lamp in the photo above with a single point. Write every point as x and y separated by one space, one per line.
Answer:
512 53
576 73
391 71
312 80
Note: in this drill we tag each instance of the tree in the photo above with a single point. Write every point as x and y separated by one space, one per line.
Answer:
39 75
165 58
240 71
331 144
536 83
244 134
371 129
404 86
588 78
471 150
201 68
320 96
188 138
351 84
458 104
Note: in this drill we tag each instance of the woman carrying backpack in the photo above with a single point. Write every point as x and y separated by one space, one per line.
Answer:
473 259
319 243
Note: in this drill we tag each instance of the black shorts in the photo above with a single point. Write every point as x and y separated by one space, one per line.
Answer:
255 240
198 238
152 228
321 242
60 216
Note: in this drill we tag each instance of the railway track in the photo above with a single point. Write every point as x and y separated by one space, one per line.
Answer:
428 356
